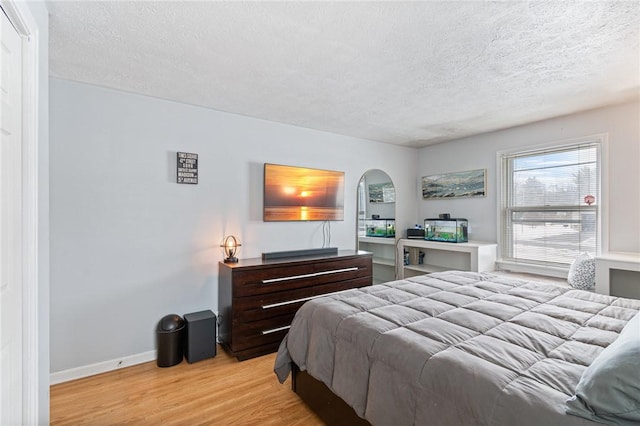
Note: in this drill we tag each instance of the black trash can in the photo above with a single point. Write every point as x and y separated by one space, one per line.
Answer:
170 334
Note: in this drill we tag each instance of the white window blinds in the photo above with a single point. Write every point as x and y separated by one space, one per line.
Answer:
550 205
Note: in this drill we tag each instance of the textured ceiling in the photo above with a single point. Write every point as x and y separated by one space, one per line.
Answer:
408 73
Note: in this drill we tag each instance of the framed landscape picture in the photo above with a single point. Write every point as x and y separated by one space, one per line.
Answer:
471 183
382 193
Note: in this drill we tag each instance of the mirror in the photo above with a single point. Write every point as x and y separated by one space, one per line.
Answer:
376 223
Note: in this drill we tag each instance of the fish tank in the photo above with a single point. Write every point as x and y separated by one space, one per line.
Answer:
380 227
446 230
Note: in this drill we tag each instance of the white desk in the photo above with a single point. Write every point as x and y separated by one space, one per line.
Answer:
608 261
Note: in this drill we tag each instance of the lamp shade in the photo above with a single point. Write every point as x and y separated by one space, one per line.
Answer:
230 246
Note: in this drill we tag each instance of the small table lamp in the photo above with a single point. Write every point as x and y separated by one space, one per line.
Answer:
230 246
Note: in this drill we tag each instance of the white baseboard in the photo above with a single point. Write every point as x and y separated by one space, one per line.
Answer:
100 367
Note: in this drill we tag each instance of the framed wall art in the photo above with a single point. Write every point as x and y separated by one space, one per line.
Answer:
187 168
382 193
470 183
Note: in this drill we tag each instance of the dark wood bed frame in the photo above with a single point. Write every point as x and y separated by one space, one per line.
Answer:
327 405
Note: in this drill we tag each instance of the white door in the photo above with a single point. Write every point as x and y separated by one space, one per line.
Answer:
10 224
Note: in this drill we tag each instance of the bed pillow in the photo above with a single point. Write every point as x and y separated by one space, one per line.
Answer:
582 273
609 389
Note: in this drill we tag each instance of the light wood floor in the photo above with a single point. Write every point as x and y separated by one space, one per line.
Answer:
217 391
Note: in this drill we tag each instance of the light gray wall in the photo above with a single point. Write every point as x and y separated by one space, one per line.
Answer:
129 245
623 178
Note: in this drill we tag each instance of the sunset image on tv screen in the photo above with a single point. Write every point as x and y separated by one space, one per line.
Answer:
300 193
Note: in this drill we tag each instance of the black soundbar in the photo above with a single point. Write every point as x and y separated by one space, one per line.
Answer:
326 251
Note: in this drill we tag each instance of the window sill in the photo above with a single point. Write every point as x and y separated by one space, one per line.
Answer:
548 271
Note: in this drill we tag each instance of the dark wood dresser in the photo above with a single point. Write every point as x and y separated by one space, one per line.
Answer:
258 298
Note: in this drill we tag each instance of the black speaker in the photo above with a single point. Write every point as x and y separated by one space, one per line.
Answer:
415 233
201 336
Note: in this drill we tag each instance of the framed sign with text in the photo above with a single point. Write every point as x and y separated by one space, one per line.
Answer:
187 170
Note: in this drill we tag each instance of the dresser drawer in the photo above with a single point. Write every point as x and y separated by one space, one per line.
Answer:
255 308
273 279
260 333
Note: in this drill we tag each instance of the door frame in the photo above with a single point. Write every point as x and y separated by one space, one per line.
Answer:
23 21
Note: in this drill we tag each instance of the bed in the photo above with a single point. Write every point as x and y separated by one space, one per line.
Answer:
464 348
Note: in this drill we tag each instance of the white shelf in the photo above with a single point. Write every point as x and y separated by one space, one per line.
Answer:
437 245
384 261
378 240
608 262
384 257
426 269
477 256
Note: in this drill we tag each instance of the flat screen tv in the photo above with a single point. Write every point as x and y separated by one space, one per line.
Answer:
302 194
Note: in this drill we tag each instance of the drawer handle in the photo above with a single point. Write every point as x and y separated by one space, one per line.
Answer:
290 302
315 274
275 330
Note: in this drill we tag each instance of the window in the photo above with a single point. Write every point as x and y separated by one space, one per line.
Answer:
550 204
